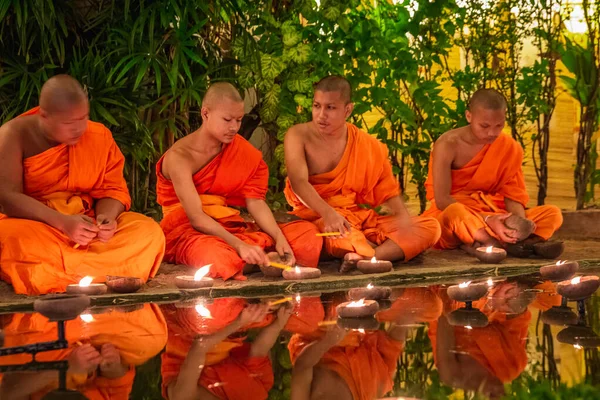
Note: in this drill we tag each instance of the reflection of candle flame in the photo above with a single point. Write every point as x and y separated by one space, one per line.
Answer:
369 286
203 311
577 346
464 285
86 318
468 327
560 262
361 330
202 272
373 259
298 298
86 281
297 270
575 280
490 282
489 249
358 303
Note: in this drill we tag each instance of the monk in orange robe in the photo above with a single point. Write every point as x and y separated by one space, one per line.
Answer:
102 354
209 358
476 182
63 196
206 173
338 176
500 347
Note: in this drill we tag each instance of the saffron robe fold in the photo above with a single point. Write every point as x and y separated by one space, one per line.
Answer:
138 336
364 177
229 373
237 173
480 187
38 259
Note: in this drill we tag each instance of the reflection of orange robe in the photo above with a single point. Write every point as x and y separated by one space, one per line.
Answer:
37 258
414 305
237 173
500 347
480 188
227 362
364 176
138 335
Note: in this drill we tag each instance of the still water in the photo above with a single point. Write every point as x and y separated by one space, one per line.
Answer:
519 340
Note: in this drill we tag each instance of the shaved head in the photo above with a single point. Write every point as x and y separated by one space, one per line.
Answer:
218 92
488 99
335 83
61 93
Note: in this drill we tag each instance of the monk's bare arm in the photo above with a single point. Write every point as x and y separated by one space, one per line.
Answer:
177 167
109 208
259 209
397 206
13 202
267 337
443 154
297 169
21 385
447 364
514 207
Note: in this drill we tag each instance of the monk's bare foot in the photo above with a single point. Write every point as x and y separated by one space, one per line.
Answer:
350 261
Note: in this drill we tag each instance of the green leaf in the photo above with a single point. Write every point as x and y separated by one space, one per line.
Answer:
271 66
105 114
332 13
142 71
280 153
268 113
193 56
291 38
245 77
300 85
299 54
272 96
303 101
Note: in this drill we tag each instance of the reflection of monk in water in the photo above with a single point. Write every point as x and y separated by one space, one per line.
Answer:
460 352
214 361
340 364
102 353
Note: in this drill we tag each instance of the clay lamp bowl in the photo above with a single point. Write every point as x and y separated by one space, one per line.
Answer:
198 281
523 227
468 318
579 288
370 293
374 266
123 284
579 336
301 273
560 271
362 323
357 309
129 308
85 286
62 308
467 292
490 254
560 316
274 272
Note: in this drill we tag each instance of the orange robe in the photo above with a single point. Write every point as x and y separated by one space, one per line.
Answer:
238 172
138 335
414 305
37 258
364 177
228 363
480 187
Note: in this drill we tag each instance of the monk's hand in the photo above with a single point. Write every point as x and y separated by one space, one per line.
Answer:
79 228
253 313
107 226
334 222
284 250
110 355
496 223
84 359
253 254
284 313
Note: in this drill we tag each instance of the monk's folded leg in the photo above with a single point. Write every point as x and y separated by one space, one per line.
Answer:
303 239
460 225
424 232
547 220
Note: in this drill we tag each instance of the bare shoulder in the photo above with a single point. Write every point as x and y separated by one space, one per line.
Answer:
13 133
299 133
177 160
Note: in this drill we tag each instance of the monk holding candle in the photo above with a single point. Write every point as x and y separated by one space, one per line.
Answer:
338 176
476 183
64 199
203 176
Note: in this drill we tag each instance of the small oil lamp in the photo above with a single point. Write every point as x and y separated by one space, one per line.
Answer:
490 254
298 273
370 293
368 323
123 284
578 288
560 271
374 266
85 286
468 292
357 309
199 280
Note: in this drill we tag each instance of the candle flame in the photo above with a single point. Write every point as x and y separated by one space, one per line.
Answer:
490 282
575 280
489 249
86 318
203 311
358 303
560 262
468 327
370 286
86 281
373 260
464 285
202 272
298 298
577 346
297 269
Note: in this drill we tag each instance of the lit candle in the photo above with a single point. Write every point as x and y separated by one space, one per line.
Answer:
199 280
578 288
370 293
87 318
374 266
203 311
490 254
124 284
357 309
490 282
560 271
276 265
298 273
85 286
580 336
467 291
